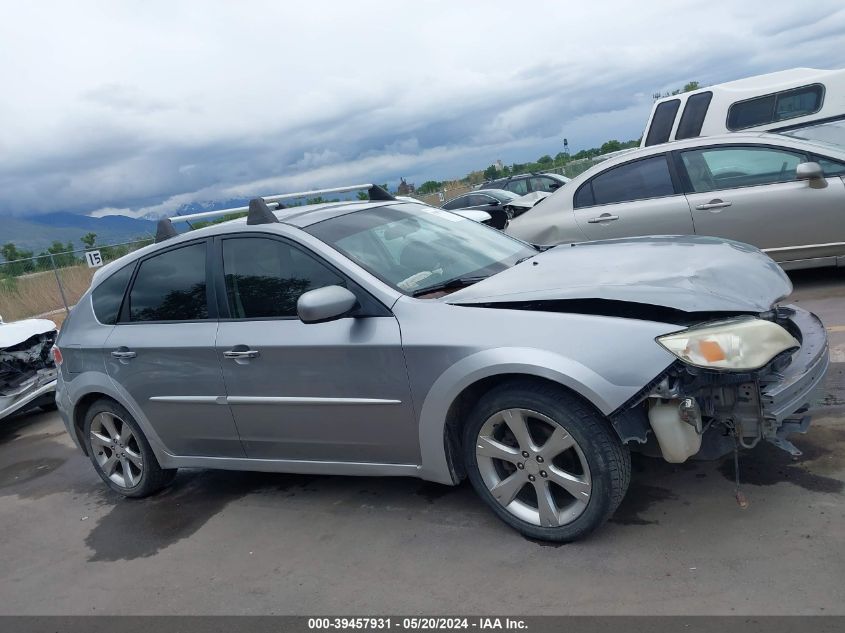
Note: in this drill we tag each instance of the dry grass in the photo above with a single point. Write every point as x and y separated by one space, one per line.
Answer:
38 293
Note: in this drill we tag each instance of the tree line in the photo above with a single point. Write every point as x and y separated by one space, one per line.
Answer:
20 261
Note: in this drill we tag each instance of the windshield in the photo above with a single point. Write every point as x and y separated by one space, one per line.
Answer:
415 247
830 134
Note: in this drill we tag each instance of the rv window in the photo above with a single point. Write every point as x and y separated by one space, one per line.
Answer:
662 121
775 107
693 117
800 102
753 112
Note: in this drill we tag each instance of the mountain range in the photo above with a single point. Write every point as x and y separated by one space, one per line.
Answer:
37 232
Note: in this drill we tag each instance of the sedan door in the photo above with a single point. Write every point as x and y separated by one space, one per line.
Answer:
641 197
334 391
161 352
750 193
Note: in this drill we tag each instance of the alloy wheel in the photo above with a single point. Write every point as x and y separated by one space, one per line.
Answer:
116 449
533 467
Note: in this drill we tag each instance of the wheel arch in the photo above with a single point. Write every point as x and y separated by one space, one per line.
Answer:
85 389
459 387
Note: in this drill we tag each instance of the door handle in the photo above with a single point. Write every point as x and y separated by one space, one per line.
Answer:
246 353
123 353
604 217
713 204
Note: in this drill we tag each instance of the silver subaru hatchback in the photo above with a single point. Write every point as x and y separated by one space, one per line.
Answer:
392 338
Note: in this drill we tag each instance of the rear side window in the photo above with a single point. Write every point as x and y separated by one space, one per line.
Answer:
647 178
108 296
662 121
542 183
778 106
693 117
519 187
265 277
171 287
457 203
477 200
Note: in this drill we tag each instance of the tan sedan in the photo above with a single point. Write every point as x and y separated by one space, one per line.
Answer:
782 194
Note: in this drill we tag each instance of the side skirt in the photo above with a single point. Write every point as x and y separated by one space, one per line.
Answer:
298 466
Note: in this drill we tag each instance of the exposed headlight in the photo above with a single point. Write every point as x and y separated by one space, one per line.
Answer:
735 345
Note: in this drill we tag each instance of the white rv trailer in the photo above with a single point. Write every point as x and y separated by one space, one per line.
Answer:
775 102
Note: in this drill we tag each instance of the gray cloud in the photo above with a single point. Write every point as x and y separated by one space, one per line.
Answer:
140 107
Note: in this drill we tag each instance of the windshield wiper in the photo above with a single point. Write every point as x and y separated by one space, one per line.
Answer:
458 282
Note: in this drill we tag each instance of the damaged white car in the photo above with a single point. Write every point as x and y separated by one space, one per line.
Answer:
27 368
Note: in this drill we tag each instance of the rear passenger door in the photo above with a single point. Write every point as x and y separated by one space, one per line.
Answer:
641 197
750 193
161 352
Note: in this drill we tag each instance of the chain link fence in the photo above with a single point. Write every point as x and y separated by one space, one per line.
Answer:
48 285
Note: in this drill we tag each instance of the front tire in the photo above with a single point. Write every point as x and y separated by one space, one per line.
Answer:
121 453
546 463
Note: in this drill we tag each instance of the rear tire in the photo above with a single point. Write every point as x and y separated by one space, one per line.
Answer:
546 462
120 452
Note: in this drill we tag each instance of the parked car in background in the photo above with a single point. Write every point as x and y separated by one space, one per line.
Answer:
27 369
491 201
471 214
784 100
781 194
528 183
384 337
520 205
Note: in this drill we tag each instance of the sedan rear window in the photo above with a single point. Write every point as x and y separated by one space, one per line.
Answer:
638 180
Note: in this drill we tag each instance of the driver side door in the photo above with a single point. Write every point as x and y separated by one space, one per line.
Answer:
334 391
749 193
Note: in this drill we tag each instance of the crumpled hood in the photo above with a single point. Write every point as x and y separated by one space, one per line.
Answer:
18 331
689 273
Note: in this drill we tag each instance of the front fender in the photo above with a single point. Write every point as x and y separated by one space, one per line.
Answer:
604 395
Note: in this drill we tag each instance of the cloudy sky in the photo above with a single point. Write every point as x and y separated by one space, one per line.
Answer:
139 107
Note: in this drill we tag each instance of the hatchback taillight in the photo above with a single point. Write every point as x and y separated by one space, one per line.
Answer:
57 355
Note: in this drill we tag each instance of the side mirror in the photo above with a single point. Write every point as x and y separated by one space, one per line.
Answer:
809 171
325 304
554 187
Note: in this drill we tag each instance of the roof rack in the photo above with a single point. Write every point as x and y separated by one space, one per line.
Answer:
259 210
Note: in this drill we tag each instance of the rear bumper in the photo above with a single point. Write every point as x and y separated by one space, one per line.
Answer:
800 385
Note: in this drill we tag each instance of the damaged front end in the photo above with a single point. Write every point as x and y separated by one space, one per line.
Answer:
27 369
703 407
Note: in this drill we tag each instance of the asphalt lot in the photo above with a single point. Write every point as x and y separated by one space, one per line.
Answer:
251 543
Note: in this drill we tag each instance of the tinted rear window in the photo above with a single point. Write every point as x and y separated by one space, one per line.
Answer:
661 122
108 296
779 106
170 287
693 117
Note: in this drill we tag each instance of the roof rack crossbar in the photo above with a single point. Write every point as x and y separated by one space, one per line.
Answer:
375 192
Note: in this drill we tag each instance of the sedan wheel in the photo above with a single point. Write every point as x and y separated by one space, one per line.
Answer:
533 467
116 449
